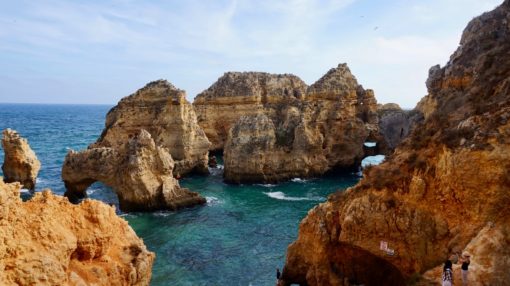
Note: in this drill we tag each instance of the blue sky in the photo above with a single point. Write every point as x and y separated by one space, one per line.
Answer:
100 51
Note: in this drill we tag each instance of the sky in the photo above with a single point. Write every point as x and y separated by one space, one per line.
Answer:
98 51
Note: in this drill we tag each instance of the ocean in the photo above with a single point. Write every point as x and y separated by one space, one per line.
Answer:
239 238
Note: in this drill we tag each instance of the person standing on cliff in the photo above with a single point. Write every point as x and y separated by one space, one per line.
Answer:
278 275
447 274
464 268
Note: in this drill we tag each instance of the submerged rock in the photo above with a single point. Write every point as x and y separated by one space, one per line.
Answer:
296 134
20 162
49 241
443 191
140 172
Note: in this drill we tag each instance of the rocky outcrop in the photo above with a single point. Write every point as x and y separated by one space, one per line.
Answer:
237 94
20 162
163 111
140 172
444 190
300 134
49 241
394 125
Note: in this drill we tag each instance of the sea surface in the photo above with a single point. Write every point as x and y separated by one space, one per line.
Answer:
239 238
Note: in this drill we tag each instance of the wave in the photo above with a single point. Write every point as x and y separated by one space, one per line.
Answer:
282 196
24 191
91 191
267 185
213 201
299 180
39 181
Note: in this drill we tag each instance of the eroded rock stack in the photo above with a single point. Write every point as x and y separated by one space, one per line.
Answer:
49 241
394 125
139 171
150 137
20 162
281 129
445 189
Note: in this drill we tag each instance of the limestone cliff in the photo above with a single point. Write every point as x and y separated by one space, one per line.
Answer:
163 111
303 135
139 171
49 241
20 162
237 94
444 190
394 125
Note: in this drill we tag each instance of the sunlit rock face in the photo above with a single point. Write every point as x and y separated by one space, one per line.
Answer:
443 191
273 128
150 137
20 162
49 241
140 172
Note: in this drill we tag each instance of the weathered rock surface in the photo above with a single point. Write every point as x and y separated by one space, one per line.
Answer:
300 134
237 94
49 241
163 111
394 125
444 190
20 162
140 172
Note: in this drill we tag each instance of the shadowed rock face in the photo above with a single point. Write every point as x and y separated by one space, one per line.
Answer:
162 110
302 136
20 162
394 124
444 190
49 241
140 172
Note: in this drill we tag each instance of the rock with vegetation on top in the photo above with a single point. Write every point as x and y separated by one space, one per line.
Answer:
49 241
20 162
445 190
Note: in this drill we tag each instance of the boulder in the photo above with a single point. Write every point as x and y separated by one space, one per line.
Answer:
20 162
49 241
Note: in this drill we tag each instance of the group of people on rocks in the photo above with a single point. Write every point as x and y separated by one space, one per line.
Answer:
447 276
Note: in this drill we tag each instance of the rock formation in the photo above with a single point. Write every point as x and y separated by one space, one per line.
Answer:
49 241
444 190
292 133
140 172
20 162
394 125
237 94
163 111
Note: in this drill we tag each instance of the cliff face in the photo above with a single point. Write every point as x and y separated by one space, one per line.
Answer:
303 134
237 94
49 241
394 125
139 171
162 110
20 162
444 190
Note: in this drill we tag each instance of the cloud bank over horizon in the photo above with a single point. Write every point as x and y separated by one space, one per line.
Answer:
59 51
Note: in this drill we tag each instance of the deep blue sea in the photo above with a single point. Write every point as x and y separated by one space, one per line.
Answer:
238 238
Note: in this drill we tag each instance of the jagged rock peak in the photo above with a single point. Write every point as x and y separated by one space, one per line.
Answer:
250 84
20 162
339 78
156 90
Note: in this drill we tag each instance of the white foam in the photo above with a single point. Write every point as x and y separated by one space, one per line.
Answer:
39 181
299 180
213 200
91 191
372 160
267 185
25 191
162 213
282 196
219 167
370 144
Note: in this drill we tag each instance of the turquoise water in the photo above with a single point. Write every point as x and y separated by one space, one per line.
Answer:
238 238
